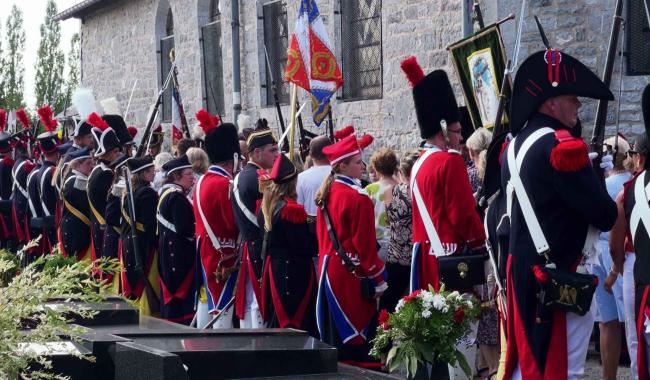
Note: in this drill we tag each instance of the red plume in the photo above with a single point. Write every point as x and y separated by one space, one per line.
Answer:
158 128
47 118
21 115
207 122
133 131
343 133
365 140
96 121
412 70
3 120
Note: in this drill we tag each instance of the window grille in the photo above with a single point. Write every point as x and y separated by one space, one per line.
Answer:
276 39
361 47
638 39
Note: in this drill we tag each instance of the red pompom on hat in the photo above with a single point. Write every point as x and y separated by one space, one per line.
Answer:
133 131
97 122
21 115
46 115
207 122
412 69
343 133
365 141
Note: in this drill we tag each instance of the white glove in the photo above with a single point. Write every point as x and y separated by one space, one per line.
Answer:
592 155
607 162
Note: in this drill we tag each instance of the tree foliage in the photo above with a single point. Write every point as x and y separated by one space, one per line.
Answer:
13 82
50 62
74 58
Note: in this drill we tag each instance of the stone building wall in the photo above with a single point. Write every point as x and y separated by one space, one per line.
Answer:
120 43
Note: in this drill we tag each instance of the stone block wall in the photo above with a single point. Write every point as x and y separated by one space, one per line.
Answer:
120 43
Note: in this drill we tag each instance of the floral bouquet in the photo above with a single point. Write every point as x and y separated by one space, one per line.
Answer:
425 328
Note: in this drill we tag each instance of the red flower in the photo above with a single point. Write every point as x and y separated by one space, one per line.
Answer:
383 319
412 296
459 314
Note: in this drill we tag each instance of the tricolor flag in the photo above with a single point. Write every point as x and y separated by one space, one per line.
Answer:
176 116
311 63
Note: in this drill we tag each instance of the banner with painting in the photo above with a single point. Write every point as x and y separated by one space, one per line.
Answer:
480 61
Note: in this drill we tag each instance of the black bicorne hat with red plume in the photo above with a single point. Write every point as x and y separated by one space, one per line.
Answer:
433 97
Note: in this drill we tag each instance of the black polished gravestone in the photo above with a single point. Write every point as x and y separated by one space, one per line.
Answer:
111 311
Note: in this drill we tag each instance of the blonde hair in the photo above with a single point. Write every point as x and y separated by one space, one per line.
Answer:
324 190
274 193
161 159
479 140
407 161
199 160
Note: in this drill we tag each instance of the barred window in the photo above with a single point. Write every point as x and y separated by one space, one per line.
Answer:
276 40
166 46
638 39
212 61
361 48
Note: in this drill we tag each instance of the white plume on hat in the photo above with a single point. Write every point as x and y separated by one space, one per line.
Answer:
243 122
84 101
111 106
197 132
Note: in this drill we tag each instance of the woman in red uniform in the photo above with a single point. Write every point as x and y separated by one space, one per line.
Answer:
346 306
289 276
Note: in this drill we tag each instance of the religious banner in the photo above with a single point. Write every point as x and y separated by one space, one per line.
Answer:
311 63
480 61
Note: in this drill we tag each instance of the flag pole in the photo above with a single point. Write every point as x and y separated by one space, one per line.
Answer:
292 124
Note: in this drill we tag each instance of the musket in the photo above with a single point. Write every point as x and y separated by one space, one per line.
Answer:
181 110
274 89
601 111
146 137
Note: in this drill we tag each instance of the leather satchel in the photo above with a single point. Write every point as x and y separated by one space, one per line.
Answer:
566 291
461 272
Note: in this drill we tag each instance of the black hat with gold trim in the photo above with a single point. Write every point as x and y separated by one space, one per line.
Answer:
259 138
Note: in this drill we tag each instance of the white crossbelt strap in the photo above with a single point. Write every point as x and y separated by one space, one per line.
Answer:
436 245
29 199
46 211
161 219
206 225
249 215
641 210
516 185
16 184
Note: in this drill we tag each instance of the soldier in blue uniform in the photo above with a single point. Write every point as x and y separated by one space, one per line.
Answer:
177 256
263 150
20 172
74 232
566 197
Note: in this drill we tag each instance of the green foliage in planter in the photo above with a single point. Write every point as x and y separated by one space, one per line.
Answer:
24 298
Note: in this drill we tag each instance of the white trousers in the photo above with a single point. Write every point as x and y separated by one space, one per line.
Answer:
578 331
203 317
468 348
252 314
630 312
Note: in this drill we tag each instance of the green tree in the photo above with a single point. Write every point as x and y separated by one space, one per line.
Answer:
73 68
14 69
50 61
2 79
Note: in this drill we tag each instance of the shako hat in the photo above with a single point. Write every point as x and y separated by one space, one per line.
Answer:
138 164
347 147
113 116
79 154
157 137
5 138
221 139
547 74
105 137
176 164
283 170
433 97
48 140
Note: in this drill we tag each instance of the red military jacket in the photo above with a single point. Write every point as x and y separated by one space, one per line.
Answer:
212 192
352 215
444 185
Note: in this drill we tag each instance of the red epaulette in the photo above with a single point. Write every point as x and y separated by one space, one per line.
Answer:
504 146
570 154
294 212
29 166
8 161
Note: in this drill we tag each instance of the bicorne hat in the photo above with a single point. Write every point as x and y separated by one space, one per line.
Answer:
547 74
138 164
177 164
105 137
